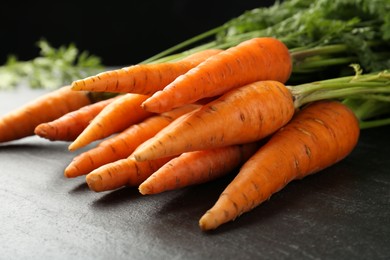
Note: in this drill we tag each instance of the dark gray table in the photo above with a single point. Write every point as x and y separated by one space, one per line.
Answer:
342 212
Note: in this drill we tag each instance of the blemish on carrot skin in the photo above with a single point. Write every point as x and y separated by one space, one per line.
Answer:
242 117
99 125
226 213
136 169
213 108
160 77
304 131
296 164
261 119
245 197
117 84
171 137
113 149
222 138
319 121
91 159
308 151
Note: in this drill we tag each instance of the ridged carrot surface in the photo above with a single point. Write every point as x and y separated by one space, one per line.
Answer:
69 126
123 144
124 172
318 136
242 115
114 118
252 60
141 78
197 167
22 121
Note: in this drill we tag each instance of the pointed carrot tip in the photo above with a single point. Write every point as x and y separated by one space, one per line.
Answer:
94 182
144 189
203 225
74 146
209 221
75 85
71 172
40 130
154 106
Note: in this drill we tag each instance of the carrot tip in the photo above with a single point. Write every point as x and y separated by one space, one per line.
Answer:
144 189
75 86
40 131
94 182
73 146
71 172
203 225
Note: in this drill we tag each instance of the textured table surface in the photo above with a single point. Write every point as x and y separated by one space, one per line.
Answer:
342 212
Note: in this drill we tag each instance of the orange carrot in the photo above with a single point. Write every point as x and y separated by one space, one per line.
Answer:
114 118
123 144
124 172
22 121
242 115
197 167
142 78
70 125
318 136
250 61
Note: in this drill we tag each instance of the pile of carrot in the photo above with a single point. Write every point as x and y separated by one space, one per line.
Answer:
188 122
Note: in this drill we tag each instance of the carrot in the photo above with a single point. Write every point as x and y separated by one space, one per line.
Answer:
114 118
197 167
22 121
242 115
252 60
123 144
70 125
320 135
142 78
124 172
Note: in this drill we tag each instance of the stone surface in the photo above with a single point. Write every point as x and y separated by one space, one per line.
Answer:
342 212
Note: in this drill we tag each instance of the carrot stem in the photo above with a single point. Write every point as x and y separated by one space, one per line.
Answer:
374 123
182 45
343 87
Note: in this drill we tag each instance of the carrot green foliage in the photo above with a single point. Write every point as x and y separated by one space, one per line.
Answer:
55 67
322 35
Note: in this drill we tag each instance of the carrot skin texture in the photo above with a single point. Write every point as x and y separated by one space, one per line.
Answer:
22 121
197 167
257 59
114 118
69 126
242 115
123 144
142 78
318 136
124 172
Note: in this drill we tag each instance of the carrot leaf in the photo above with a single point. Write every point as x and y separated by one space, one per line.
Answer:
324 36
54 67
